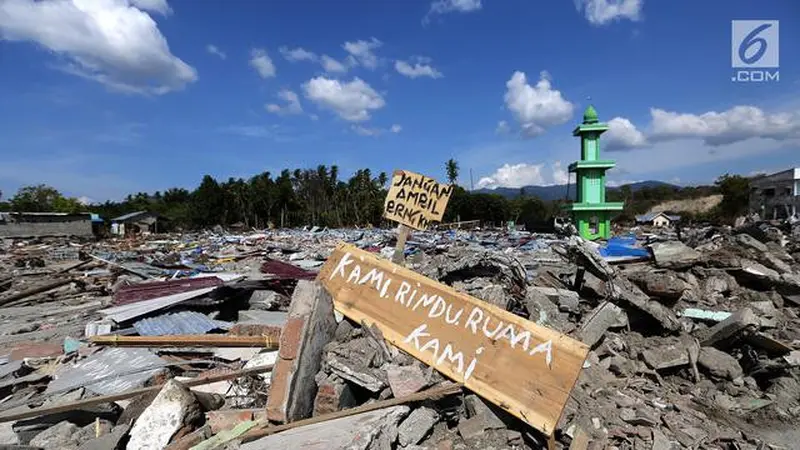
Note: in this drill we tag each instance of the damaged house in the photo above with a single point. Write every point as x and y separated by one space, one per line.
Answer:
139 222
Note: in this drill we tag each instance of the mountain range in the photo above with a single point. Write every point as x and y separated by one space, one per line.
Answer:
559 191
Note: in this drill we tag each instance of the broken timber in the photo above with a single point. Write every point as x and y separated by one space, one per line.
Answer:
524 368
187 340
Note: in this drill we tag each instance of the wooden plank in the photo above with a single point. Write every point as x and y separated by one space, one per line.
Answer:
415 200
400 249
524 368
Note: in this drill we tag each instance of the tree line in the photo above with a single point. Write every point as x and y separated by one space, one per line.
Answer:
320 197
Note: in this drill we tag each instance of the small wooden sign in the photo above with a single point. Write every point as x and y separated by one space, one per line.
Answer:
415 200
526 369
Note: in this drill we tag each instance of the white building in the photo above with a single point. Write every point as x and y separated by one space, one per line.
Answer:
659 219
776 196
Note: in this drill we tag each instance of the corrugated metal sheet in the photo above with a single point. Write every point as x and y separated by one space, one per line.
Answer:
145 291
124 313
104 365
186 322
282 270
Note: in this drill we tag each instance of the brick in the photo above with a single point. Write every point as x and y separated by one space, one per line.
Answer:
309 327
226 419
333 395
36 350
255 329
405 380
291 337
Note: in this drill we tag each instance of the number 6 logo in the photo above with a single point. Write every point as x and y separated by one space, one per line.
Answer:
754 44
750 40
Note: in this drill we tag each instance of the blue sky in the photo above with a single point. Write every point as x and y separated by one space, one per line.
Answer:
100 98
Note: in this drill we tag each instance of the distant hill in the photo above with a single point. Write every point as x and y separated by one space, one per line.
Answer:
557 192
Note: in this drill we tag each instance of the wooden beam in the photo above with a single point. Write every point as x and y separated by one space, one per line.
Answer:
34 291
129 394
187 340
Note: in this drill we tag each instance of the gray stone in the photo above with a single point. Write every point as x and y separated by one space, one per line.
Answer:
361 376
494 294
595 325
664 285
750 242
719 363
477 407
92 431
674 255
108 441
267 300
471 428
729 328
416 426
7 435
348 433
173 408
59 436
660 441
405 380
666 356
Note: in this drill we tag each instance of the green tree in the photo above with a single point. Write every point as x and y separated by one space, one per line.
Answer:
208 203
43 198
735 190
451 166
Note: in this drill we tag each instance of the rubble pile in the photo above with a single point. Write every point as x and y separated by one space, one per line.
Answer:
216 340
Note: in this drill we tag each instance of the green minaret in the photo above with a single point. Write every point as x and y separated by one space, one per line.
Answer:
591 213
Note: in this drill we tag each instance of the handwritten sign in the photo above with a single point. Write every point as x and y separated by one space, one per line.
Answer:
415 200
524 368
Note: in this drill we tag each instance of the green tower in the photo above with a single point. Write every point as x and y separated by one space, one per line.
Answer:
590 211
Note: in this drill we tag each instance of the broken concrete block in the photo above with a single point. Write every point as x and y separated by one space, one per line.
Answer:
310 326
476 406
58 436
333 394
666 357
600 320
348 433
728 328
674 255
471 428
173 408
719 364
405 380
750 242
355 373
416 426
107 441
663 285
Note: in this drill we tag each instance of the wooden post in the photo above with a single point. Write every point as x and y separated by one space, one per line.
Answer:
399 250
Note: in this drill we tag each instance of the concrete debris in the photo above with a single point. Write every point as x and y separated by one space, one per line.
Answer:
349 433
416 426
696 347
174 408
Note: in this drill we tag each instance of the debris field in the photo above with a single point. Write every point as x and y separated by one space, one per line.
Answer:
221 341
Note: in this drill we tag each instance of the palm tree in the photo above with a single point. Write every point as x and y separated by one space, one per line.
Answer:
452 170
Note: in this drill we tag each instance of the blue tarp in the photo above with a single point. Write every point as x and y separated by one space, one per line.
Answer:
624 246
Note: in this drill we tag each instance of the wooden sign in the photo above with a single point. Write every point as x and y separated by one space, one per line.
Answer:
524 368
415 200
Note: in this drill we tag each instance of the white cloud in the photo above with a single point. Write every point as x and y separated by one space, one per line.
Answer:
502 127
352 101
373 131
84 200
448 6
332 65
298 54
715 129
736 124
260 60
560 174
292 104
214 50
601 12
622 135
114 42
536 107
421 68
363 52
514 176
